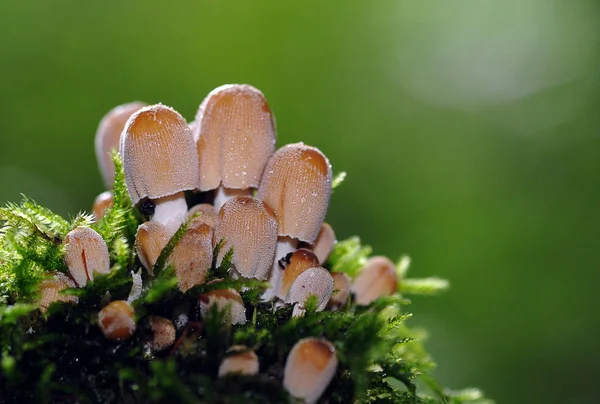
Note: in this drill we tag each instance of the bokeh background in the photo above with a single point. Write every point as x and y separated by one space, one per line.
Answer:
470 131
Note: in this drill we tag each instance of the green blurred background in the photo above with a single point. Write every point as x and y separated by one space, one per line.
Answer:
469 131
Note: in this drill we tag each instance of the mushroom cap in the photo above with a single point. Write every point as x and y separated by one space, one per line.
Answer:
108 138
296 184
341 290
192 256
224 299
298 262
235 136
101 203
163 332
150 239
207 215
378 278
159 154
241 360
86 253
313 281
324 243
50 290
116 320
310 366
249 226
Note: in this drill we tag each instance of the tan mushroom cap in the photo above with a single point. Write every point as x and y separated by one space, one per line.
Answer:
206 214
296 184
150 240
116 320
102 202
235 137
50 291
324 243
192 256
239 360
309 368
378 278
86 253
224 299
159 154
313 281
108 137
249 226
163 332
341 290
299 261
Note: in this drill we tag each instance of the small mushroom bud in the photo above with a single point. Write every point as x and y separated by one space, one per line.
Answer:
160 162
150 240
50 291
324 243
239 360
247 225
378 278
116 320
102 202
235 137
108 137
296 263
192 256
204 214
341 290
86 253
228 300
163 332
313 281
309 368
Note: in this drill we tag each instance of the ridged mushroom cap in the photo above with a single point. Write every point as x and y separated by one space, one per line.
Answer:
235 137
159 154
116 320
341 290
86 253
224 299
108 137
296 184
249 226
309 368
163 333
50 290
192 256
239 360
150 239
297 262
324 243
101 203
313 281
378 278
207 214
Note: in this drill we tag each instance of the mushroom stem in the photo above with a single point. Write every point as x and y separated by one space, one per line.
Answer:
224 194
285 245
170 211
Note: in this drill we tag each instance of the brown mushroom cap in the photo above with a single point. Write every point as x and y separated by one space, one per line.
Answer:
116 320
296 184
159 154
309 368
378 278
341 290
299 261
241 360
163 332
50 290
150 240
86 253
249 226
192 256
324 243
108 137
235 137
224 299
207 214
102 202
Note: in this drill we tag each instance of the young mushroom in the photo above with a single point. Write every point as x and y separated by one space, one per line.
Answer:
160 162
86 253
102 202
324 243
294 264
309 368
163 333
150 240
341 290
192 256
50 290
235 135
378 278
203 213
108 137
239 360
116 320
247 225
227 300
296 184
313 281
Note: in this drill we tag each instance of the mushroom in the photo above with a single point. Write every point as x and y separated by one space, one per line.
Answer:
206 214
108 137
163 333
192 256
228 300
102 202
160 162
296 184
235 136
294 264
239 360
341 290
313 281
378 278
324 243
150 240
310 366
50 290
116 320
249 226
86 253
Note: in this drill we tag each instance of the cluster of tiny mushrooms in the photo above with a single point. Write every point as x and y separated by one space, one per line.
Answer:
269 206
